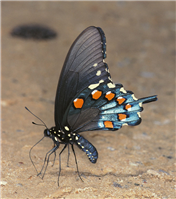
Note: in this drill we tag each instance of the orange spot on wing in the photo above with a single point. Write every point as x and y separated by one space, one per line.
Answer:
127 106
108 124
122 116
78 102
96 94
109 95
120 100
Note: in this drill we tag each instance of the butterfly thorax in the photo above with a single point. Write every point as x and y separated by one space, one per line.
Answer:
58 135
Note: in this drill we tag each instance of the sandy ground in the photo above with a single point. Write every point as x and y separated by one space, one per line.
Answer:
134 162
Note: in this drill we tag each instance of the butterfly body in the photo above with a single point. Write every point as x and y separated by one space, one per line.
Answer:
60 137
87 99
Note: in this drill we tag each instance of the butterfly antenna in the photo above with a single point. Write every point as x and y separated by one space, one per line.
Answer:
37 118
37 124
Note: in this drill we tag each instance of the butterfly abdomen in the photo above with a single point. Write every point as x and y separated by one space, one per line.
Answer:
87 147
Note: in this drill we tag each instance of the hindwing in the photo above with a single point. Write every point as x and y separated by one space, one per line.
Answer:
106 107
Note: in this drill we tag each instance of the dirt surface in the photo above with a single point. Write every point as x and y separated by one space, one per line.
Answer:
134 162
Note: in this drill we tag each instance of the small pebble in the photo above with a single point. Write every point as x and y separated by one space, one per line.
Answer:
162 123
164 172
110 148
135 163
136 184
19 130
19 185
117 185
147 74
169 157
153 172
137 147
3 183
125 62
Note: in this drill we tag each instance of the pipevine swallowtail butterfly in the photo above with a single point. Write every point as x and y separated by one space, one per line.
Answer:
88 100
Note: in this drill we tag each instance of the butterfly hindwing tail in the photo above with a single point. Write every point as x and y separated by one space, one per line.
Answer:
148 99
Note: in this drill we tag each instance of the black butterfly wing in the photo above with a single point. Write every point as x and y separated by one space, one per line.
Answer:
86 98
84 66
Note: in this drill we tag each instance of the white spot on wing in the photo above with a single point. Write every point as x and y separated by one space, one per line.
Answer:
128 109
140 104
101 124
139 114
111 85
107 70
92 86
108 92
110 79
134 97
95 65
98 73
94 92
123 90
123 120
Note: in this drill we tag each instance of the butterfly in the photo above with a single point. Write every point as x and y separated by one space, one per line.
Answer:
88 100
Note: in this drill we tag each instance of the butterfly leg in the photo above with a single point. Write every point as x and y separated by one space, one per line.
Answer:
68 156
54 156
60 162
76 162
46 161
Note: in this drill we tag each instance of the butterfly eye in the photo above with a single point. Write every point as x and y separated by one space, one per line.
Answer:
46 132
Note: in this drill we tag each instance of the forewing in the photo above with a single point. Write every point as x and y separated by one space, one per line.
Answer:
84 66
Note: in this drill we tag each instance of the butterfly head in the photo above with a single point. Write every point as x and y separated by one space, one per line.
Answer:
47 133
55 134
